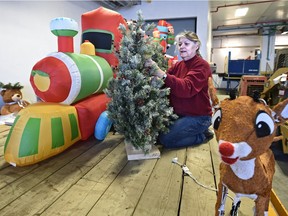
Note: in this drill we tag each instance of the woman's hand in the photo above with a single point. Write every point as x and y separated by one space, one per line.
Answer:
150 63
157 71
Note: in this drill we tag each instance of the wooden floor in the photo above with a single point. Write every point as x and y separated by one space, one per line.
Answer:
95 178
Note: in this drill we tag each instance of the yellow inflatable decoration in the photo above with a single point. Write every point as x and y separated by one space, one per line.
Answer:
40 131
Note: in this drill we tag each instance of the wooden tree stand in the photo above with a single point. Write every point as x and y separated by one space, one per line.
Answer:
138 154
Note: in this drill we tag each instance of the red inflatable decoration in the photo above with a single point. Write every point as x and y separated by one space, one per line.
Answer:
164 34
100 27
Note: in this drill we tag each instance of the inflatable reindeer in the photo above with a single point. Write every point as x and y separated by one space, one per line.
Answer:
245 128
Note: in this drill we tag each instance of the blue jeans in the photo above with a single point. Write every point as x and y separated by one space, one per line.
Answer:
186 131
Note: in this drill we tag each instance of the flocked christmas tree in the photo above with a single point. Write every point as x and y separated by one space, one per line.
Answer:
139 107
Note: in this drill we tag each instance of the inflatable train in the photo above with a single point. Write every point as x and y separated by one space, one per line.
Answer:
69 87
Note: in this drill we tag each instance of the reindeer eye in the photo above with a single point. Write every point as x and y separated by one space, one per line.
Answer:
264 124
216 119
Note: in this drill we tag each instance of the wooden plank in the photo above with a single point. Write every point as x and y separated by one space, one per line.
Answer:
278 205
3 163
4 128
2 150
196 198
11 174
3 137
162 193
4 131
272 211
35 191
82 196
280 182
18 186
123 194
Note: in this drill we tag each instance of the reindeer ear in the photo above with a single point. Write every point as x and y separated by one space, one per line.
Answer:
281 111
2 92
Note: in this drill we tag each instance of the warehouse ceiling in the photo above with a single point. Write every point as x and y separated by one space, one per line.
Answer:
263 17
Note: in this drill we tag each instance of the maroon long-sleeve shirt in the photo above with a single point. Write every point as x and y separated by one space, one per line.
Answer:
188 81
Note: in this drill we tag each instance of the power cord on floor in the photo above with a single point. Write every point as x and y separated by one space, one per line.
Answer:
187 172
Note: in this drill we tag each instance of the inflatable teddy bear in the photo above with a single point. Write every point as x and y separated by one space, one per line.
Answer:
12 97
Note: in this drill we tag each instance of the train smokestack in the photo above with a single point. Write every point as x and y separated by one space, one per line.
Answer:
65 29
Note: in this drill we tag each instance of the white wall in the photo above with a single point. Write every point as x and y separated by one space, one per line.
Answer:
26 38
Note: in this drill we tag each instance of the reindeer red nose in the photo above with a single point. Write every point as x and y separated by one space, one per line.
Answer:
226 149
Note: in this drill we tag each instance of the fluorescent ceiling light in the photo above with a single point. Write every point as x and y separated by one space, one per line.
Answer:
241 12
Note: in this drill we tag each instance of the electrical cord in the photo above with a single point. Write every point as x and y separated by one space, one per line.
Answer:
187 172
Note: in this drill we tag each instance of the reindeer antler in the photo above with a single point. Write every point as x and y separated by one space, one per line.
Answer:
280 113
256 96
233 94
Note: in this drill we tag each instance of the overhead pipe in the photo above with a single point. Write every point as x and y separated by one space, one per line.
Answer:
233 27
235 35
241 4
252 25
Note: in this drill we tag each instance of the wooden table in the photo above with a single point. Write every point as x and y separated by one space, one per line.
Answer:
95 178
